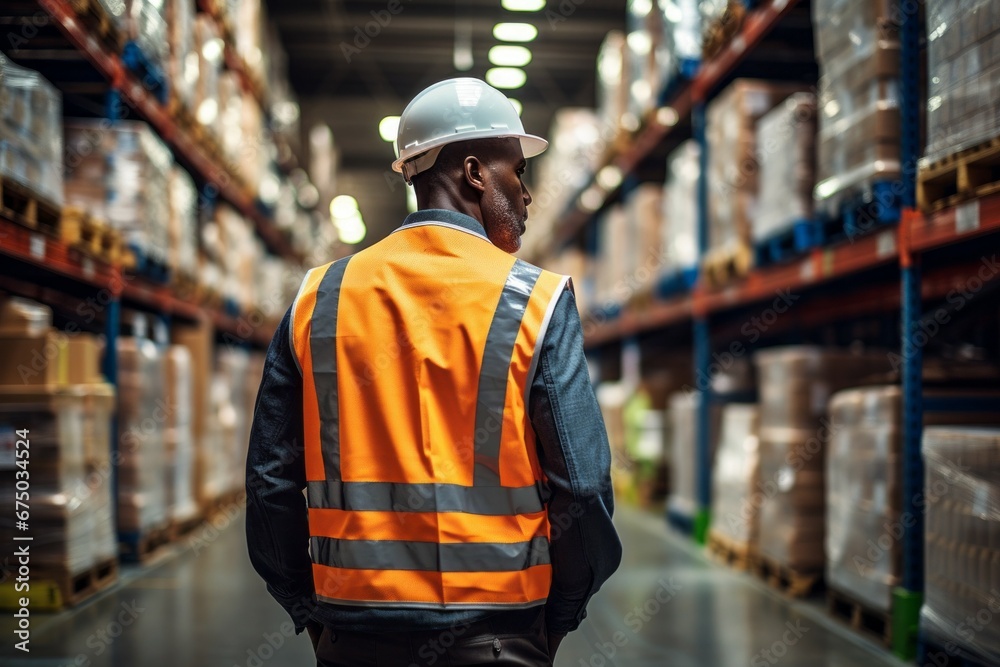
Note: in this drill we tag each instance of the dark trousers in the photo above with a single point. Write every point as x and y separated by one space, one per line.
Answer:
508 640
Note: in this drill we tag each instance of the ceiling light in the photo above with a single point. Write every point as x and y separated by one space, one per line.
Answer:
610 177
667 116
387 128
523 5
506 77
517 105
506 55
343 206
515 32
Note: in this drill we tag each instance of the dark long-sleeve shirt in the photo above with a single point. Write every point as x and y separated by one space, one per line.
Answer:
573 452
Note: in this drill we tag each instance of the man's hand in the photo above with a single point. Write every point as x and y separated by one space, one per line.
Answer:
315 630
554 641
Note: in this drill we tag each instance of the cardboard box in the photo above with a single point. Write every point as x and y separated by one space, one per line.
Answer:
84 365
42 360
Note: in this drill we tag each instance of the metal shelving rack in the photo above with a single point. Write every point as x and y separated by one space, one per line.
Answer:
847 265
63 276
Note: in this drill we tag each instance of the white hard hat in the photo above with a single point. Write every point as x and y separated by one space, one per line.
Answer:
455 110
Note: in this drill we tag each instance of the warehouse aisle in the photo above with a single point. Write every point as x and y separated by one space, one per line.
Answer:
666 607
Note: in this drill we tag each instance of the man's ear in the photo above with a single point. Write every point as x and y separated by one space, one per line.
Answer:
475 173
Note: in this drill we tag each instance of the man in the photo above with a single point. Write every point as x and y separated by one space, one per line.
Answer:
431 395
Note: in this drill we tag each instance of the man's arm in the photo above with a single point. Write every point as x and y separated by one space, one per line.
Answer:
277 520
576 458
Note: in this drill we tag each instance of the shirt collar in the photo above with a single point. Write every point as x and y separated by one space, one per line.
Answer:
449 218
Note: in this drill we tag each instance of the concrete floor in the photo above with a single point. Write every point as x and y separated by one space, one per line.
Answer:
203 606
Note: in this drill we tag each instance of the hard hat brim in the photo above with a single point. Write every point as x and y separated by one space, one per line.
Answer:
531 145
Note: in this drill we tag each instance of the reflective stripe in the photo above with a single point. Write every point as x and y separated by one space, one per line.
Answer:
540 339
449 606
432 590
323 344
430 556
427 497
495 369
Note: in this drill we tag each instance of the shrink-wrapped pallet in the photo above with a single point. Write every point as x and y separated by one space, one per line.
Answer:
615 246
140 204
68 431
179 448
963 62
145 24
962 534
735 477
87 172
680 209
612 78
794 386
31 135
733 166
101 405
786 146
143 418
199 340
61 524
683 445
182 60
644 220
677 39
863 478
864 488
183 227
857 46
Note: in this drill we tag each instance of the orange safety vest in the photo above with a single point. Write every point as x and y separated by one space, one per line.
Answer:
424 486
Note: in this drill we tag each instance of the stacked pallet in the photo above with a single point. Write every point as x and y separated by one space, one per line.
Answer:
786 146
963 118
52 397
121 173
30 147
795 384
858 49
733 534
179 451
680 218
962 585
734 173
143 521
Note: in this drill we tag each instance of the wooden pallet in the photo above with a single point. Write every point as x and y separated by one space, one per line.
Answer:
185 286
736 555
790 582
860 617
143 547
55 589
20 204
180 530
92 236
968 174
721 267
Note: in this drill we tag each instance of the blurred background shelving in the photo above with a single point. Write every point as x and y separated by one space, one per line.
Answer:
780 217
